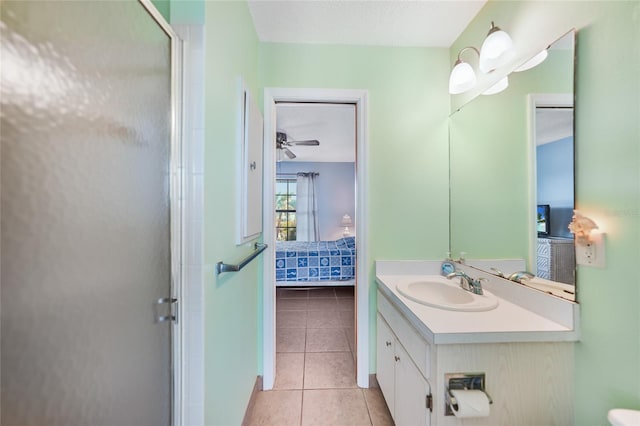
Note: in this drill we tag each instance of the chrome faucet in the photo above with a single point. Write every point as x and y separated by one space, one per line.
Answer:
465 280
468 283
518 276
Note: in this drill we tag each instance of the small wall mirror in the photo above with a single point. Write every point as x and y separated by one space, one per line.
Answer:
512 171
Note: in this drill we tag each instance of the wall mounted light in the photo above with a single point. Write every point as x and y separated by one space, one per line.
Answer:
581 226
462 76
496 49
346 222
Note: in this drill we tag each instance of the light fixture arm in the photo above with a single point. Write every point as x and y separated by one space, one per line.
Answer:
493 29
463 50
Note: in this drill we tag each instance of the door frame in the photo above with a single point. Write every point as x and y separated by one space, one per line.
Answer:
360 99
176 190
534 100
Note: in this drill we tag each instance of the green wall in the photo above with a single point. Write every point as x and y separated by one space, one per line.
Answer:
181 11
607 367
187 12
164 7
407 136
231 300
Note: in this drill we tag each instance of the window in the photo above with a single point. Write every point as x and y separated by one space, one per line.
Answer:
285 209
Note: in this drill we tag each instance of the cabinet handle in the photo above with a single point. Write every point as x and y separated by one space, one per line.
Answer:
388 343
397 358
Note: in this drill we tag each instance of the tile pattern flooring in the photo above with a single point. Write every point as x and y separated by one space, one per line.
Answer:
315 364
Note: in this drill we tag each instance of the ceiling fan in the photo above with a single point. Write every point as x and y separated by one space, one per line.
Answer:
283 143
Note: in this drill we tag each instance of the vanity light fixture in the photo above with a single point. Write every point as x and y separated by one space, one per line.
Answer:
346 222
496 49
533 62
501 85
581 226
462 76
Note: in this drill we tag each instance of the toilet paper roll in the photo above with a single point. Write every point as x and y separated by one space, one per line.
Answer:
471 403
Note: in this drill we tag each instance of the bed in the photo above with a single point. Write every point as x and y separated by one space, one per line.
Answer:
316 263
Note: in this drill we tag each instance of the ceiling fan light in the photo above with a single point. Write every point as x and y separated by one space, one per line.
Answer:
533 62
498 87
496 49
462 78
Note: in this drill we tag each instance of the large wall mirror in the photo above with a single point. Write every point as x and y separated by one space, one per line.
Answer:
512 171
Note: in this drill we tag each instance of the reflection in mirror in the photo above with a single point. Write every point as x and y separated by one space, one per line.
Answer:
553 136
499 175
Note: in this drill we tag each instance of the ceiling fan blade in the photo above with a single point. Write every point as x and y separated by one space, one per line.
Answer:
282 140
311 142
288 153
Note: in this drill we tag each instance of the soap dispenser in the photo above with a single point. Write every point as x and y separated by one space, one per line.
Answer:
447 266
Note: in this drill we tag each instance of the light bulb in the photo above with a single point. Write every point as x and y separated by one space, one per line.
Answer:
496 49
462 78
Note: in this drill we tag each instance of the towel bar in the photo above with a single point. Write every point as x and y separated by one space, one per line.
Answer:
226 267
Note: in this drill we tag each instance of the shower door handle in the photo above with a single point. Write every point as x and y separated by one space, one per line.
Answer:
173 309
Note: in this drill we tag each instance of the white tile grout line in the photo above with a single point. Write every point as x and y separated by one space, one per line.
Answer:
304 365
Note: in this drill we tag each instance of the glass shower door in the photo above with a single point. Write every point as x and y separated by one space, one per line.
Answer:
85 126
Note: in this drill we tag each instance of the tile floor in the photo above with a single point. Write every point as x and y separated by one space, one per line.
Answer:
315 364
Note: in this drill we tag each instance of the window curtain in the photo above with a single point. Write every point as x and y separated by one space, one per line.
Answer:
307 226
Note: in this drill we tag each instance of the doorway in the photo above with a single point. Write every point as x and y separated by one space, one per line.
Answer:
358 99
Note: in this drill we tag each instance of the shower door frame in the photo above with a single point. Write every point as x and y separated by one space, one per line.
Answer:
176 189
345 96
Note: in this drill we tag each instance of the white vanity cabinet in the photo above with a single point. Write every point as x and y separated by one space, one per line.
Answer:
527 359
402 366
413 394
386 354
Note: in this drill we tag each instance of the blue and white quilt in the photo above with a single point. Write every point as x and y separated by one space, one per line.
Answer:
316 260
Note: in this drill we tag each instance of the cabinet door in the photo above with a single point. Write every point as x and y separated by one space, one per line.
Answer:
250 145
411 392
385 368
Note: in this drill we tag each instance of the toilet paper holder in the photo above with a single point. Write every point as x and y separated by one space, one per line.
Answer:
469 381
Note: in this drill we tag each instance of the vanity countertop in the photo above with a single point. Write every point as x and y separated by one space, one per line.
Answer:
508 322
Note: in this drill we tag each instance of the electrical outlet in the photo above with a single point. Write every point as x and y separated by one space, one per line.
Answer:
591 254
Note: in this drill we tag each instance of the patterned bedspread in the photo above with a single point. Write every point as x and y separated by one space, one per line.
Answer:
316 260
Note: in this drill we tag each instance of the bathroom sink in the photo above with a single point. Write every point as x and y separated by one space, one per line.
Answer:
438 292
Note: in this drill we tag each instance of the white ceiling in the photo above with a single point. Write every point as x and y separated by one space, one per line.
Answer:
333 125
429 23
553 124
432 23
